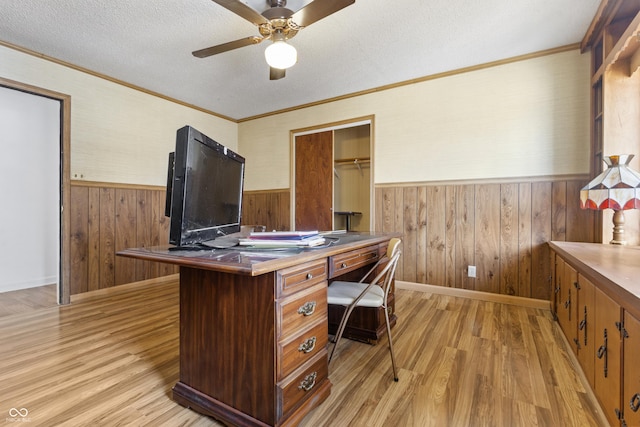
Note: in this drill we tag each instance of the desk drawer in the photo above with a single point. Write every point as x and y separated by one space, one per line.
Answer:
299 312
293 279
299 349
302 383
344 263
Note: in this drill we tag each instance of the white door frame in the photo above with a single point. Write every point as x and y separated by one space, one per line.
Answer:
359 121
64 288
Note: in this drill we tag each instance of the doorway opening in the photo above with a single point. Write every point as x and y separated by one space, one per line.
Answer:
61 238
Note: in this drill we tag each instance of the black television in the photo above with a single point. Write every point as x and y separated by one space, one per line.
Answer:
204 189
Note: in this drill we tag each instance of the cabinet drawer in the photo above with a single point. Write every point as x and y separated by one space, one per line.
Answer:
302 383
293 279
301 348
299 312
344 263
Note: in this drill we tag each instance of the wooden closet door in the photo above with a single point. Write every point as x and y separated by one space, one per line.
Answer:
314 181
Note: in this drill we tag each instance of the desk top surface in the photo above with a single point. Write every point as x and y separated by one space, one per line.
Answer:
240 260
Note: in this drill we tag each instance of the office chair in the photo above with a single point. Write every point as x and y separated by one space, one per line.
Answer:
363 294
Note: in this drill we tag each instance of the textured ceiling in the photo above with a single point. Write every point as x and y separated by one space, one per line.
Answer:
369 44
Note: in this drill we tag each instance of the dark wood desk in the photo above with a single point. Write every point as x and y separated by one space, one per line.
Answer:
253 326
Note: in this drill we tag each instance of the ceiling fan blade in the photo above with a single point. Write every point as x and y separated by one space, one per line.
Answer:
242 10
224 47
276 73
318 9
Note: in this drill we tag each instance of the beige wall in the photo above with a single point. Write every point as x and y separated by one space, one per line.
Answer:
118 134
520 119
525 118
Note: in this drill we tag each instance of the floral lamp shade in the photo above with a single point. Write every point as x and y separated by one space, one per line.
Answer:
617 188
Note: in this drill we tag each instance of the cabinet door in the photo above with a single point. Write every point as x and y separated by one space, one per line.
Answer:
314 181
566 316
571 305
607 362
631 372
555 288
585 316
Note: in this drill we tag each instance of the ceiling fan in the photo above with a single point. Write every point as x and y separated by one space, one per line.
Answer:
277 24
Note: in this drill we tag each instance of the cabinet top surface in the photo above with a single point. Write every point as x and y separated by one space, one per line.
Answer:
618 266
253 262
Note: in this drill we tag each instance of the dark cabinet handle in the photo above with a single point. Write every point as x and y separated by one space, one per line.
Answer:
583 325
634 403
602 352
620 416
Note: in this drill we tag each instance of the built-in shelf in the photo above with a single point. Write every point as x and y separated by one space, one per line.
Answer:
620 42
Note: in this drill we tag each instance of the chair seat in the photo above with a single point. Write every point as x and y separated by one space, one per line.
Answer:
344 293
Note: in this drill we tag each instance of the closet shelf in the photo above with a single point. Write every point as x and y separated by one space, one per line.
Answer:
353 161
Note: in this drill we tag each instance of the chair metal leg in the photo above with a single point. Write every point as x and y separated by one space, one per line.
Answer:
393 358
341 328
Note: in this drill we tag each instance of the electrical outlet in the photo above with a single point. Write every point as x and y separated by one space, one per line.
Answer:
471 271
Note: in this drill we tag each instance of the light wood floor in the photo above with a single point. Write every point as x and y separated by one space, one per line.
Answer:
26 300
111 358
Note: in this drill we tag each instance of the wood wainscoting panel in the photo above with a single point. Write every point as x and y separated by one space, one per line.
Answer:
541 233
271 208
487 232
509 243
501 228
106 218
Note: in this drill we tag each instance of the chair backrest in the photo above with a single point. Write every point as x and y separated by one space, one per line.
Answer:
394 245
392 248
385 277
390 273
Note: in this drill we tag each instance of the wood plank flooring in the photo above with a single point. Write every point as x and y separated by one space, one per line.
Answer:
26 300
111 358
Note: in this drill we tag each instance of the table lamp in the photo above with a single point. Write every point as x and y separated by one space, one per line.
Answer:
617 188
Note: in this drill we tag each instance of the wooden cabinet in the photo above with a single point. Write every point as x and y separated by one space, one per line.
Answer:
585 341
575 312
604 330
567 278
608 351
631 391
554 296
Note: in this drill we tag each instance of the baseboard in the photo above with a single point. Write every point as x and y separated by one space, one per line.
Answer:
32 283
482 296
128 286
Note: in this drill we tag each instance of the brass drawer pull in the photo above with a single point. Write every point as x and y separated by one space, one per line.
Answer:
634 403
308 345
308 382
307 308
309 276
343 265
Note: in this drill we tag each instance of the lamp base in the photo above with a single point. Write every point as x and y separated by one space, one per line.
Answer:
618 228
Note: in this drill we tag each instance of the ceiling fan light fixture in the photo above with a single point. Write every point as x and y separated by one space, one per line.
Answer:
281 55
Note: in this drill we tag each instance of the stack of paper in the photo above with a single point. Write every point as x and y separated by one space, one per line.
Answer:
279 239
